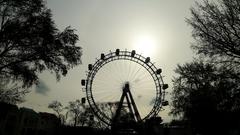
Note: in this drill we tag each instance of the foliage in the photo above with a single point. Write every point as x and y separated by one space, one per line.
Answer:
216 29
82 115
58 108
203 92
206 93
76 111
13 94
108 108
30 42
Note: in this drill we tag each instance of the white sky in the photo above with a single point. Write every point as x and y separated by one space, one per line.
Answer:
104 25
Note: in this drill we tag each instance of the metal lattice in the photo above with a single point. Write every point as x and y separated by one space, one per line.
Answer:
128 56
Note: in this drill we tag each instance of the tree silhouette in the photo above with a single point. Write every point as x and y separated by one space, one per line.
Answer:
216 29
206 92
109 108
58 108
13 94
75 114
30 42
76 111
203 94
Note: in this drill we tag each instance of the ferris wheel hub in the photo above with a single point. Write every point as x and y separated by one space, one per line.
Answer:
119 59
126 86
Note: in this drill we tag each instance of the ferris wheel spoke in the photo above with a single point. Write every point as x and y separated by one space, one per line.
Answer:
104 98
108 80
142 85
106 91
142 76
100 81
146 91
105 80
110 76
145 80
120 68
130 71
116 73
117 69
135 74
134 69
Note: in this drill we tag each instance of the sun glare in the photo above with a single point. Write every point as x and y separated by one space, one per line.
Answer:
145 44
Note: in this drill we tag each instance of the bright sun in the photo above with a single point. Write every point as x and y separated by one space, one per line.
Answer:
145 44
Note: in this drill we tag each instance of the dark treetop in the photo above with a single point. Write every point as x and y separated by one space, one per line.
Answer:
30 42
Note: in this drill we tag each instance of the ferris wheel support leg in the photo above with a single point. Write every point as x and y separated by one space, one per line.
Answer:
137 115
119 108
130 108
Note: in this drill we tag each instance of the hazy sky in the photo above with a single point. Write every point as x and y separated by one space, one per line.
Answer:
154 28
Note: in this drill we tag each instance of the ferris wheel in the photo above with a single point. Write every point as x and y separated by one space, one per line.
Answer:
124 80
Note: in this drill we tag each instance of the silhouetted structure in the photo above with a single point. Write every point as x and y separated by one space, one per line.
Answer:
128 121
126 118
24 121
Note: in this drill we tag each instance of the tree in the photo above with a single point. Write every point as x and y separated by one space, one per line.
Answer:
58 108
75 109
82 115
109 108
86 117
216 29
75 113
206 95
30 42
13 94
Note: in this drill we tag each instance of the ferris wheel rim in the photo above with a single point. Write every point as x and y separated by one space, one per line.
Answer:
129 56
